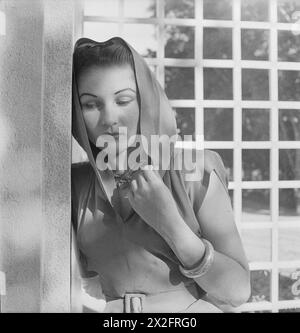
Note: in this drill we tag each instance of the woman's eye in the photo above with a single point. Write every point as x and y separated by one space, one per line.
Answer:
124 102
91 106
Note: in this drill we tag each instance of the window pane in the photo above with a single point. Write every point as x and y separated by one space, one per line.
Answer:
255 10
289 85
287 10
255 44
289 164
139 8
256 124
288 46
100 31
103 8
142 37
292 310
261 311
289 283
218 124
289 125
289 243
289 204
256 205
217 83
185 118
217 9
179 41
257 244
260 286
256 164
217 43
179 82
255 84
227 158
179 8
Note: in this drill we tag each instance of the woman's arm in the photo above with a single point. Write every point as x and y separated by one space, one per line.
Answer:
228 278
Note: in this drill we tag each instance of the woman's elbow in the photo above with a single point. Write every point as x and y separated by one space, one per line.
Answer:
241 297
241 293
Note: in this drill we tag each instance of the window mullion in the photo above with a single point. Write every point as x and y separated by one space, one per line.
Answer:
237 113
121 17
160 9
273 84
199 105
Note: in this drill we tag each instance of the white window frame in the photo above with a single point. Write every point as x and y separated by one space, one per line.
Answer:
237 104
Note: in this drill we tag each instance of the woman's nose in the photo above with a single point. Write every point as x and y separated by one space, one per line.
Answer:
109 117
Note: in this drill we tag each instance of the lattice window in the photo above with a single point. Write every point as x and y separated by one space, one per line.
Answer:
231 71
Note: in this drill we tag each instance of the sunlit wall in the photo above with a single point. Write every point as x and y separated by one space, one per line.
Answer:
35 154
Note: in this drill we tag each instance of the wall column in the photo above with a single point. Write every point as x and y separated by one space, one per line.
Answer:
35 155
56 155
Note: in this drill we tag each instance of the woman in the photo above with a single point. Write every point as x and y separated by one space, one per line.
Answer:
148 240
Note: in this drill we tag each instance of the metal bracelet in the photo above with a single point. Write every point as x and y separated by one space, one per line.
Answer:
204 265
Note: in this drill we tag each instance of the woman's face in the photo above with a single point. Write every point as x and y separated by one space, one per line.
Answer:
108 96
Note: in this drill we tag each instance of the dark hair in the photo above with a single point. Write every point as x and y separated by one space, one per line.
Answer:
113 52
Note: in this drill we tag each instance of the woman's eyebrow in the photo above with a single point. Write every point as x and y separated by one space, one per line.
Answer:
117 92
124 90
88 95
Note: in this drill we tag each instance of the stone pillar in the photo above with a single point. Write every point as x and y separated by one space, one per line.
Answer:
56 155
35 155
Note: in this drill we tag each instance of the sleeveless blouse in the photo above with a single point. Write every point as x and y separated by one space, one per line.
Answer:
127 254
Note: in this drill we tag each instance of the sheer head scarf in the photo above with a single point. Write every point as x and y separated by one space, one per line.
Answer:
156 117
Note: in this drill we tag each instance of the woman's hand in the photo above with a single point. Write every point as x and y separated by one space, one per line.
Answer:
152 200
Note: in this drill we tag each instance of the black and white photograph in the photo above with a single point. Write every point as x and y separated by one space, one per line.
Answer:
149 157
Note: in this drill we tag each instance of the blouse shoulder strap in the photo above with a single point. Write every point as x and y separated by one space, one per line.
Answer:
213 161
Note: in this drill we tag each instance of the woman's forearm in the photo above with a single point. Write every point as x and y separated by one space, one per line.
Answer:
226 279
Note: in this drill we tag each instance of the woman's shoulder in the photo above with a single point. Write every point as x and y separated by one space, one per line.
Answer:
202 163
214 162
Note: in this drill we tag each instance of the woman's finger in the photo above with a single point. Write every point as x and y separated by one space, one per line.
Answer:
141 181
134 185
148 173
155 170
